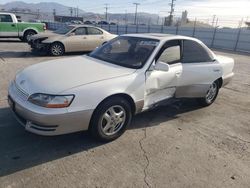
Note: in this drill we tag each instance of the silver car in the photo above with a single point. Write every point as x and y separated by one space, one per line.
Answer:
103 90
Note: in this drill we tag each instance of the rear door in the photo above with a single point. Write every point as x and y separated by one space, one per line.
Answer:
199 70
7 27
95 38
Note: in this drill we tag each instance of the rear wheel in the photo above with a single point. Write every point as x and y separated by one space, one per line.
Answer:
56 49
27 35
211 95
111 119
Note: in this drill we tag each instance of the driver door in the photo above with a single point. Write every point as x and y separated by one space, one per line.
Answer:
161 82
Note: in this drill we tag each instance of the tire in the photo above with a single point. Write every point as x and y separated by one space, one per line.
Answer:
56 49
211 95
110 119
28 34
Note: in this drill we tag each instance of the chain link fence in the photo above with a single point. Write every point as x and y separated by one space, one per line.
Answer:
237 39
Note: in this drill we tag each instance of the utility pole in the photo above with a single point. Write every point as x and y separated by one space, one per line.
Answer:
77 11
38 13
171 12
158 18
106 12
54 12
214 16
71 11
126 17
136 6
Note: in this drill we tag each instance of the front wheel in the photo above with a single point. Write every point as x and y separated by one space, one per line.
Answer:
111 119
56 49
211 95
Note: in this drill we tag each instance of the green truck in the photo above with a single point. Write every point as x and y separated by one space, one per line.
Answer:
10 27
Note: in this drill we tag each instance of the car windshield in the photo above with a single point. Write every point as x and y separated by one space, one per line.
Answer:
64 30
131 52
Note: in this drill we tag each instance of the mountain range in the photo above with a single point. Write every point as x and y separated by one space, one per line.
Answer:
46 9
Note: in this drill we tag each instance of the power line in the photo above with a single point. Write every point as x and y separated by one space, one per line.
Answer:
136 6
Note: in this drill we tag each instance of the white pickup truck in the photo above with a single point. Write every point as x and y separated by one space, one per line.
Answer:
11 28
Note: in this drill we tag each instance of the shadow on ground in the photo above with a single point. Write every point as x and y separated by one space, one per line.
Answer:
32 54
11 40
20 150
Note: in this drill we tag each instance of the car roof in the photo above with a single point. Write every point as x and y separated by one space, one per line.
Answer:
7 13
81 25
160 36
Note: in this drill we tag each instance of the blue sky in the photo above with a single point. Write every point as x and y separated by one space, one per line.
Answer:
229 9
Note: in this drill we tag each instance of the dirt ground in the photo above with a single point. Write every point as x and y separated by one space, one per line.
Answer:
177 145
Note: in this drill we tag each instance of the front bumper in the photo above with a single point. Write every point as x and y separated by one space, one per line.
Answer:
47 122
38 45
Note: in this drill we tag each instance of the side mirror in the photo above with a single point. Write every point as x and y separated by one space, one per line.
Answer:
161 66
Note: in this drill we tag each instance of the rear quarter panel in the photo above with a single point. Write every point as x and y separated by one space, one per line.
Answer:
22 27
227 64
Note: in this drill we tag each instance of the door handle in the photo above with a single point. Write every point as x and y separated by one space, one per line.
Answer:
178 73
13 25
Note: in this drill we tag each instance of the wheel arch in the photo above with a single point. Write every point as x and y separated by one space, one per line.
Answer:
220 81
123 95
127 97
29 29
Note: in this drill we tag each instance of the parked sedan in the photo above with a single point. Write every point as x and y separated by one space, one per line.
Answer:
103 90
70 39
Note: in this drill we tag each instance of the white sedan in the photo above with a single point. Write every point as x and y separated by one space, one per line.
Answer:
103 90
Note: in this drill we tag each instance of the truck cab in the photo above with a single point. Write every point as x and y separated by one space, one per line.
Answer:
10 27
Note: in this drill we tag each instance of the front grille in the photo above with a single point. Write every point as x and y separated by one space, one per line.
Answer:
19 92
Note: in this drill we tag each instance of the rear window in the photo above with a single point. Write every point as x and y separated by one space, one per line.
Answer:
5 18
193 52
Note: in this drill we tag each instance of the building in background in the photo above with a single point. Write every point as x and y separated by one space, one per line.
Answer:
58 18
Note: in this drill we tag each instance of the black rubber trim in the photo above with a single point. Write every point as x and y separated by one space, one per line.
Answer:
40 129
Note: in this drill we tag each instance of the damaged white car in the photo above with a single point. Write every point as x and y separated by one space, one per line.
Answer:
103 90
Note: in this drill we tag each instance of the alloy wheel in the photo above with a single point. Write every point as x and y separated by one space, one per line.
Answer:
211 94
113 120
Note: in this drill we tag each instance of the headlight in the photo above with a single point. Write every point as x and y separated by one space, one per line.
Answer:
51 101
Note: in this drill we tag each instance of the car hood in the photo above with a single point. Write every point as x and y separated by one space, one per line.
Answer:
44 35
56 76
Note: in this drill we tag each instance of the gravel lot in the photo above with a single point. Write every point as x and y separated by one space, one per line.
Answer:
177 145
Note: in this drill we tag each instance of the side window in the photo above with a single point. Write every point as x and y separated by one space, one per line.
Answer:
193 52
171 53
80 31
94 31
5 18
